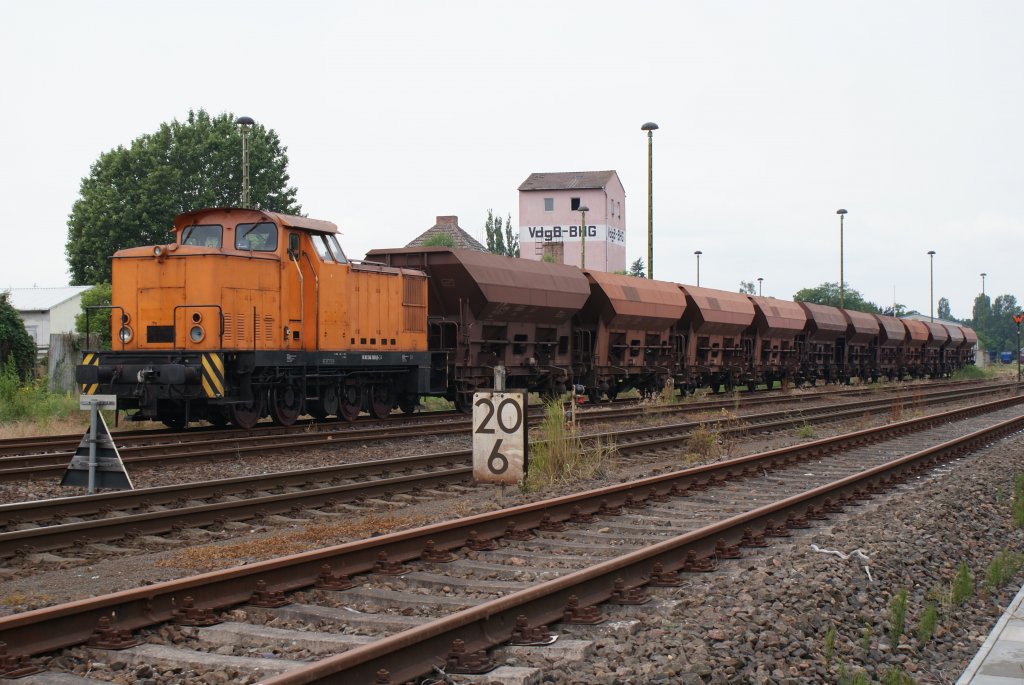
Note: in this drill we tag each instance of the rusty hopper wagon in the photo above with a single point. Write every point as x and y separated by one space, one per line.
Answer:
823 351
892 336
719 347
861 346
913 361
486 310
778 324
624 335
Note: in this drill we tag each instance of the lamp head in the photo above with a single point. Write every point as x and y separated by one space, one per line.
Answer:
244 121
840 211
698 253
931 252
649 126
583 208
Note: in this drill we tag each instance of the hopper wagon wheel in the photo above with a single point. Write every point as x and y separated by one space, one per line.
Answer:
382 400
247 414
285 403
408 403
351 400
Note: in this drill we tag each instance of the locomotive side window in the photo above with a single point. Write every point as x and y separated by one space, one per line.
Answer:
203 236
332 243
322 249
258 237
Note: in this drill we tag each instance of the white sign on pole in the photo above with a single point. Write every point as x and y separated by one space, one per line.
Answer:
499 437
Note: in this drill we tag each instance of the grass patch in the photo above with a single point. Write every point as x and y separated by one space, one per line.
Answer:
895 675
897 616
1003 567
972 373
963 586
702 445
830 645
431 403
562 456
806 431
1017 507
926 626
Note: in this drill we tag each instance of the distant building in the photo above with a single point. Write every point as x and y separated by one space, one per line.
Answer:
449 226
549 218
48 310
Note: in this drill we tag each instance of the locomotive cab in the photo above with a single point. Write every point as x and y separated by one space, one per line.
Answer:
250 313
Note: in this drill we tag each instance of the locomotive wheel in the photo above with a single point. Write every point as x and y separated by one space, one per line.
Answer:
351 402
246 415
285 404
382 400
327 405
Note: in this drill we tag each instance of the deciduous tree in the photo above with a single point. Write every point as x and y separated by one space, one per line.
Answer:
828 293
17 350
132 194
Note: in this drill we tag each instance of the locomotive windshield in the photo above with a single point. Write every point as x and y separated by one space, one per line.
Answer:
202 236
258 237
335 248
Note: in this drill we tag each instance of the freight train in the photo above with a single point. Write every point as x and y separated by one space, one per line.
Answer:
248 314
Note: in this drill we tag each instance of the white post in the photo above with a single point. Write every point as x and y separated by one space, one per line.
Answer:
93 421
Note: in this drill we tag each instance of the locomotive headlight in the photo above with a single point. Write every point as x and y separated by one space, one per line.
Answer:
158 251
197 334
125 334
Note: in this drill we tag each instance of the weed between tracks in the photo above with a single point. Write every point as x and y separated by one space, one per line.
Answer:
562 457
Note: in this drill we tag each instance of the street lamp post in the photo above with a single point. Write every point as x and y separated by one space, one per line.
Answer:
842 285
583 236
931 284
650 127
983 274
245 123
698 253
759 281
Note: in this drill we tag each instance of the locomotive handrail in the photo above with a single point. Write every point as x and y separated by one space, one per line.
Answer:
220 312
103 306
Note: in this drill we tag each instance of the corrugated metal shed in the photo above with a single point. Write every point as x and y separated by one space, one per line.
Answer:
567 180
43 299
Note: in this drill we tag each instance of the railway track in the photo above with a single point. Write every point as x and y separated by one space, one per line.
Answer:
29 528
390 608
63 445
52 464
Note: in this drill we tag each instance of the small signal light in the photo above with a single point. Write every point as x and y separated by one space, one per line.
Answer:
1018 318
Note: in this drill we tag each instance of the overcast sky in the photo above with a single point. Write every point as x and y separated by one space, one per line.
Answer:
772 114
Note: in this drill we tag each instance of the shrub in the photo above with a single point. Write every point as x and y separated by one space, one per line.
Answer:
32 400
17 351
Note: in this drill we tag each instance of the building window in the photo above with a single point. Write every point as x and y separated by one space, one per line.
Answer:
549 204
574 204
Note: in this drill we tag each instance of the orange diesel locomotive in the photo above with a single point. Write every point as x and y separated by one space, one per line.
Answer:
249 313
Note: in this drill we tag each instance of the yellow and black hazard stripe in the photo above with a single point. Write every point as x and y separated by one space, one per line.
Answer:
90 359
213 374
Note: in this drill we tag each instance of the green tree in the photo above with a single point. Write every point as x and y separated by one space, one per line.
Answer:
98 319
1001 330
500 238
944 311
637 268
748 288
132 194
828 293
17 351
